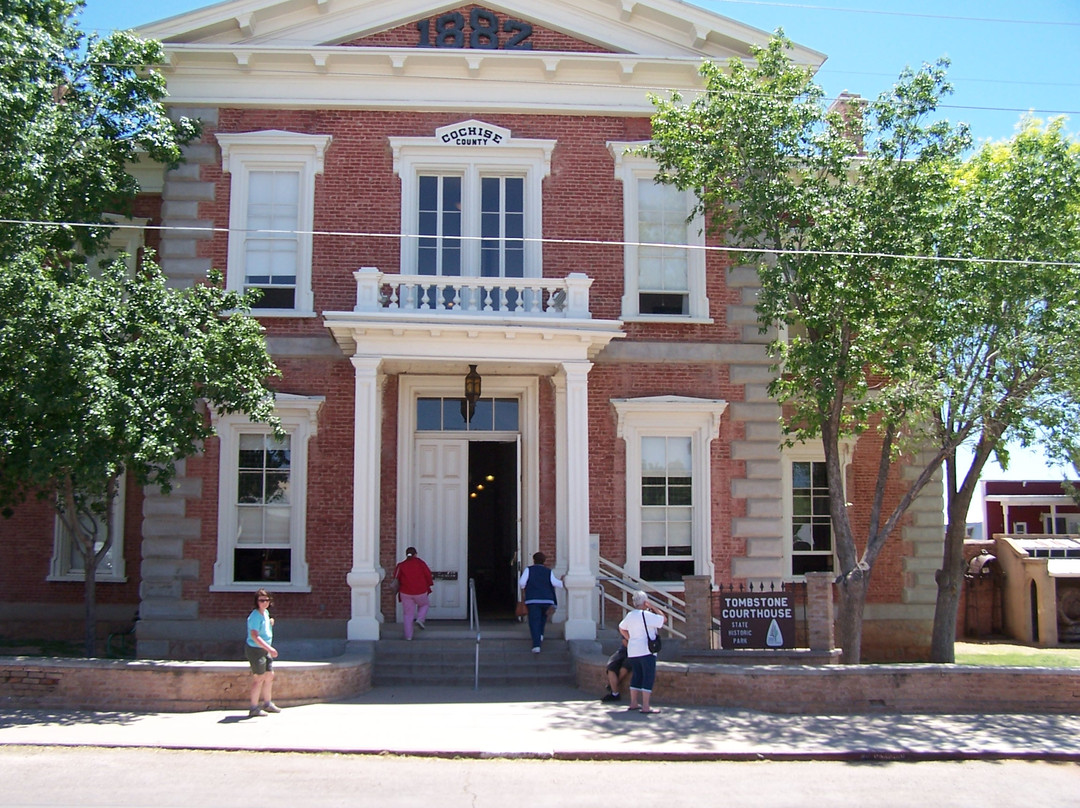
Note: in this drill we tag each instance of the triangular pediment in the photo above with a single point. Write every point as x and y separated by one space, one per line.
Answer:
655 28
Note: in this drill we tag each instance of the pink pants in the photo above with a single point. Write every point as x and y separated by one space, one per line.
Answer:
413 607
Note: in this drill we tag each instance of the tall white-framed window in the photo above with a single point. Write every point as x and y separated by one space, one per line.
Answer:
661 282
271 216
67 562
262 498
473 211
668 485
809 544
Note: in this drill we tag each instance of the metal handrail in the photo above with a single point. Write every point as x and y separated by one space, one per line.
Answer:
673 607
474 625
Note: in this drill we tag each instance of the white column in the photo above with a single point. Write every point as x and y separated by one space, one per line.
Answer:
366 573
580 582
562 552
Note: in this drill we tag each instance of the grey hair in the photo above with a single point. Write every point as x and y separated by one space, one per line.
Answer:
639 599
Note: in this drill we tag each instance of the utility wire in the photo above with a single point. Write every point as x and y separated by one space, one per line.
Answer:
883 12
726 248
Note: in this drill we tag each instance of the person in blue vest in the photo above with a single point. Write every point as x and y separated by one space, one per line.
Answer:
539 584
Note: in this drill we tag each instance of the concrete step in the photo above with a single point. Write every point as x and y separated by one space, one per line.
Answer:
447 661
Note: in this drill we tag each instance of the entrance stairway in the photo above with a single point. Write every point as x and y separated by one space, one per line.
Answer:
445 655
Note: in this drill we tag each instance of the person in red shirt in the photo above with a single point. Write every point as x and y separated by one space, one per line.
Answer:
414 586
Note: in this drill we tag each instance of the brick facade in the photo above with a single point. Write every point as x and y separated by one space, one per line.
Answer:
171 543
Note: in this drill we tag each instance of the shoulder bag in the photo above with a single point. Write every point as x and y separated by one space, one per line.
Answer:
655 643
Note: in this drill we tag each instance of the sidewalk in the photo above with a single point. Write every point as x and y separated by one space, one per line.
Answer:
561 723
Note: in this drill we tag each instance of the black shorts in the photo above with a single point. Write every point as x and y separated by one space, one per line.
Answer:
259 659
618 660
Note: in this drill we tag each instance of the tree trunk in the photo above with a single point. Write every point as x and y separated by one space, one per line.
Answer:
90 604
849 620
950 578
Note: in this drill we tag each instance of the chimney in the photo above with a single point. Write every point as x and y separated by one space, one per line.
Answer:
850 107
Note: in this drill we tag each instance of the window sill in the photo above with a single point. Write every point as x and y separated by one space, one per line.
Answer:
79 578
282 313
254 586
659 318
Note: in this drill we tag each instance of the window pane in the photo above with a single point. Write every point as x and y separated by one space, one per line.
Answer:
249 525
652 535
823 537
666 570
653 456
811 563
483 415
451 195
249 488
653 495
453 419
276 529
429 413
515 194
506 414
800 475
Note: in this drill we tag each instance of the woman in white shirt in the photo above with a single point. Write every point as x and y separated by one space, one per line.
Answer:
637 627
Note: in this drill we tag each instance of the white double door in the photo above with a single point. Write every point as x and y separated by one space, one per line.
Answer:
440 521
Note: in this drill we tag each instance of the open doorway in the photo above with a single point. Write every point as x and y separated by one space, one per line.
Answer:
493 526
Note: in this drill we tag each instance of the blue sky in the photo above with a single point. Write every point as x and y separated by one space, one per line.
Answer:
1007 58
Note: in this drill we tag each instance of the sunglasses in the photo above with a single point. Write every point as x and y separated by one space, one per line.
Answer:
264 600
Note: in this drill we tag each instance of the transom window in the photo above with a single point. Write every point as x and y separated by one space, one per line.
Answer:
448 414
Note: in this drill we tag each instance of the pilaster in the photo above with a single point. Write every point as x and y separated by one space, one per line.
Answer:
580 581
366 573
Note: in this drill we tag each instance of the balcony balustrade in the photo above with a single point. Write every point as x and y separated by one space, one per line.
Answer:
459 296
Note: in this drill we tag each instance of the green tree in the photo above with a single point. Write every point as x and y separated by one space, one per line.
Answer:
827 203
1010 361
101 372
74 113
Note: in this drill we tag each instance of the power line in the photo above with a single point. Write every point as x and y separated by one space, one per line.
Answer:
882 12
726 248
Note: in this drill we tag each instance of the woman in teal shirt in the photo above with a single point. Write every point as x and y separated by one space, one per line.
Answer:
261 655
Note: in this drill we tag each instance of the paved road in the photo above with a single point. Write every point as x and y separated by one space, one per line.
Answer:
58 777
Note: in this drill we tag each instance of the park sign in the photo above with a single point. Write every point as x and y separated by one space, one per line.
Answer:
749 620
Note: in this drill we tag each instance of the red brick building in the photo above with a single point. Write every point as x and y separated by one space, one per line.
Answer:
420 190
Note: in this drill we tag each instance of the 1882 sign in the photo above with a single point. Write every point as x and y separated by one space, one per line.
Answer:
483 31
757 621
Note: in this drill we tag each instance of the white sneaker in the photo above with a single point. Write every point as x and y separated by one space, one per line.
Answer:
420 625
536 650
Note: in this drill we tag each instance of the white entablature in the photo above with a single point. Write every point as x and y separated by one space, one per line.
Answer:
252 52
